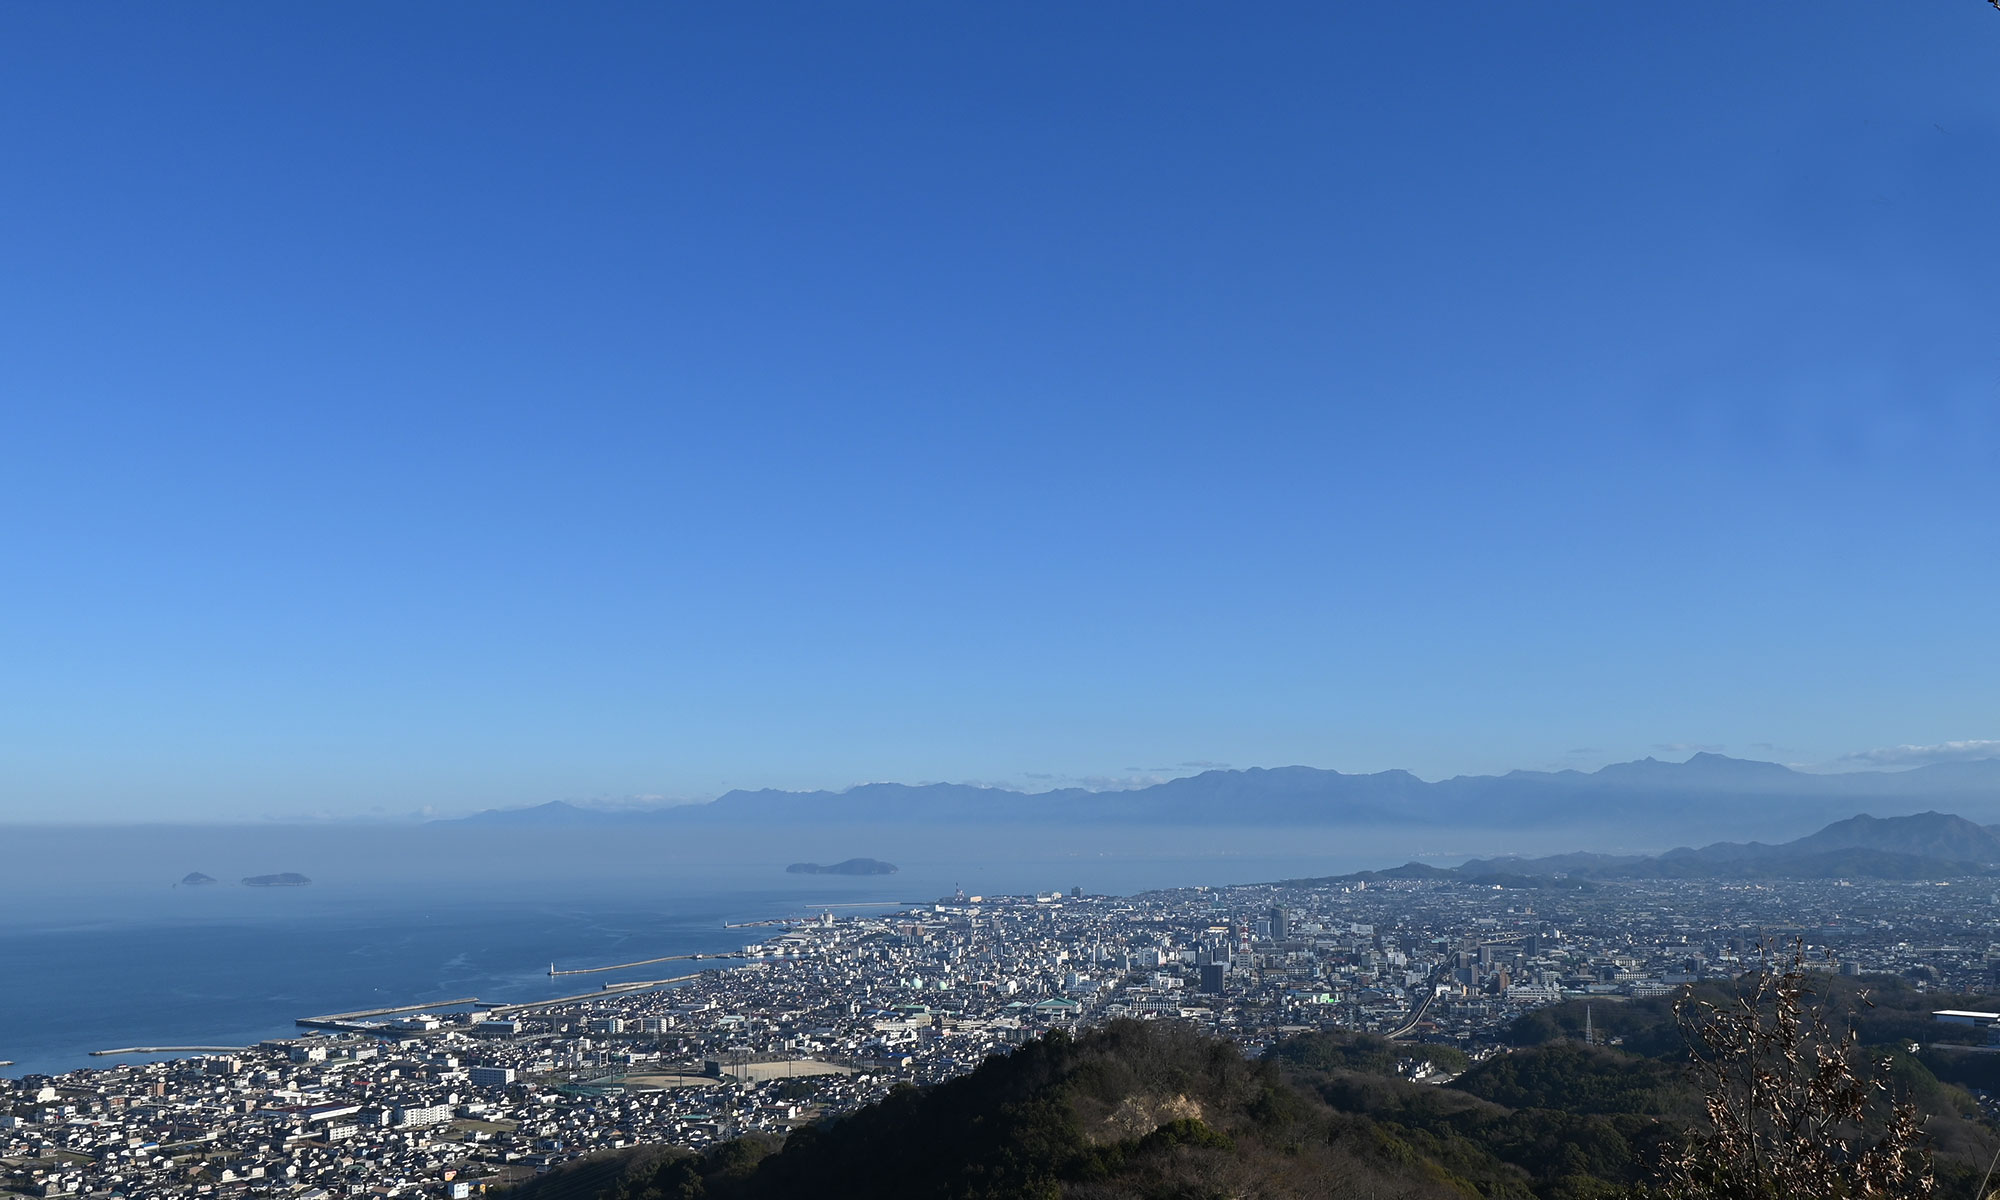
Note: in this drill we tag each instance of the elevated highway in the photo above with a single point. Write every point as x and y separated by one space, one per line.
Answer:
1417 1015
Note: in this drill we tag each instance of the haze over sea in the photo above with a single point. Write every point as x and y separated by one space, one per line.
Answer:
102 950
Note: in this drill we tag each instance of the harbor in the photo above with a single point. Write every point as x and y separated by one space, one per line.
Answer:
162 1050
368 1020
353 1022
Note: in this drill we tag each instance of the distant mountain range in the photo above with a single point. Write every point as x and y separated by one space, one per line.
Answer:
1930 845
1708 790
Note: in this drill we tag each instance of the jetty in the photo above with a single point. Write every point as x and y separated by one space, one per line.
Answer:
362 1014
345 1021
897 904
162 1050
500 1011
651 983
643 962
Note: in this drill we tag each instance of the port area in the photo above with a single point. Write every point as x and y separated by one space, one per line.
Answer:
502 1011
364 1020
884 905
431 1016
370 1020
641 962
159 1050
425 1018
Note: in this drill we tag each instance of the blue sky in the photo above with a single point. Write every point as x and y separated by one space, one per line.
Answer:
454 405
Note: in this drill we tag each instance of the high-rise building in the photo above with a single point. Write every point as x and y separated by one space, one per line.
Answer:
1281 924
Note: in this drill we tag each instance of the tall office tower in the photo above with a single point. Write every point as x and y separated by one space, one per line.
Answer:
1281 924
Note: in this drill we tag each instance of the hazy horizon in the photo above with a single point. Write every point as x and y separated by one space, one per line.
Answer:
641 805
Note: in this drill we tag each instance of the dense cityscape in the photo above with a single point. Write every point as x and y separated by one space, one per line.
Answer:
829 1013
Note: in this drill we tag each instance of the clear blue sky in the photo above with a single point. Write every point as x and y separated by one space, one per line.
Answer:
457 405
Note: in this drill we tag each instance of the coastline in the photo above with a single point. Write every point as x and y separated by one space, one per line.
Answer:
114 956
511 991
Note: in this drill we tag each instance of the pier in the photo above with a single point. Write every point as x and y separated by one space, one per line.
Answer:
643 962
896 904
162 1050
348 1022
651 983
345 1021
501 1011
364 1013
725 956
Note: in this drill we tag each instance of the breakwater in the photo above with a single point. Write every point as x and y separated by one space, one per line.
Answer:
162 1050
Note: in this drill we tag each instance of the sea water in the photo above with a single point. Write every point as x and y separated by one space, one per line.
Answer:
101 947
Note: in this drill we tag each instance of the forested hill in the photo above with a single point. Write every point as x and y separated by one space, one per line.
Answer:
1154 1109
1929 845
1134 1109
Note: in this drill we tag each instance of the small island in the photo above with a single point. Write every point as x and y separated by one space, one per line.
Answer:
197 879
853 866
284 879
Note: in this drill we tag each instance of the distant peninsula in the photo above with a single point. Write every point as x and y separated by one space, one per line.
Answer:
853 866
284 879
1921 846
197 879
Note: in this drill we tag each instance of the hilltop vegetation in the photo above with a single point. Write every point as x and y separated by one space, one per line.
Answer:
1156 1110
1134 1109
1340 1050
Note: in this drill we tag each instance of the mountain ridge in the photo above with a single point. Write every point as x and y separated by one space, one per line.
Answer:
1705 785
1927 845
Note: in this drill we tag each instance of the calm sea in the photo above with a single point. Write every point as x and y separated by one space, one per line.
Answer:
100 949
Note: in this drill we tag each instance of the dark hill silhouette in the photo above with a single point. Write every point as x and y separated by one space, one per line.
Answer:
1133 1109
1925 835
1927 845
1155 1109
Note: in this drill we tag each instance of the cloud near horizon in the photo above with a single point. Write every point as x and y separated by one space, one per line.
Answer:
1969 750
